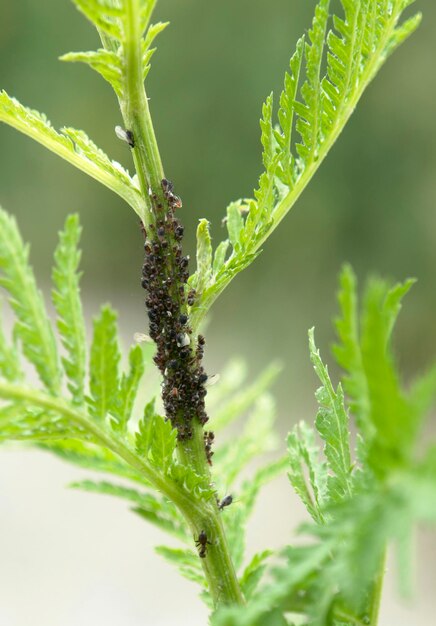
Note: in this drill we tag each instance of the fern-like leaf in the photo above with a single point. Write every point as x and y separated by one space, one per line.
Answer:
358 44
304 466
106 62
73 146
332 424
348 352
66 298
154 509
128 390
33 327
10 367
103 367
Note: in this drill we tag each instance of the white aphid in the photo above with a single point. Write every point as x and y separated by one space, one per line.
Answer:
183 340
212 380
121 134
142 338
125 135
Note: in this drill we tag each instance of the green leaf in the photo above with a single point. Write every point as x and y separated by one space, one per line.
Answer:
286 113
332 425
201 278
88 456
256 439
73 146
104 14
106 62
66 299
234 406
22 421
144 435
156 439
148 52
237 515
422 394
186 561
390 411
348 352
253 573
219 258
154 509
190 482
353 51
104 361
10 367
235 223
33 327
250 488
304 457
310 111
128 389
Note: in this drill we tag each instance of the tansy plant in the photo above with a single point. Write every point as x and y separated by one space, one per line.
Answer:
165 456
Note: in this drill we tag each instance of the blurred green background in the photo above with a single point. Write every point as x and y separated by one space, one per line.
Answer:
372 203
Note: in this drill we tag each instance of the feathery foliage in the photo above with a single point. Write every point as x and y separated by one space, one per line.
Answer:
328 73
359 500
66 299
74 146
93 429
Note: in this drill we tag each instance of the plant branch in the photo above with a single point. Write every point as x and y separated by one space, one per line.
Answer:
136 112
378 57
30 123
376 594
204 516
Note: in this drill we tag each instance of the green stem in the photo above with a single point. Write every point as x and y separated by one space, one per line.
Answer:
201 516
218 566
136 112
375 599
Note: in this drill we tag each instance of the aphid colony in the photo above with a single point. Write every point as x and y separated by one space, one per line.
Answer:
178 356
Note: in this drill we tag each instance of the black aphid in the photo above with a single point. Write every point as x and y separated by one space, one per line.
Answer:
202 543
227 501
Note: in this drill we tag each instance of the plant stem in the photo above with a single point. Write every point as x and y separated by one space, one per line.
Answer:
136 112
201 516
218 566
376 593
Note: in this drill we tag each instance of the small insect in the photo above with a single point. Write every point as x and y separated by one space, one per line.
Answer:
212 380
191 297
167 185
174 201
209 437
125 135
202 543
142 338
183 340
227 501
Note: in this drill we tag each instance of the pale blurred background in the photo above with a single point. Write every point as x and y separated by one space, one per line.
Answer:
73 559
